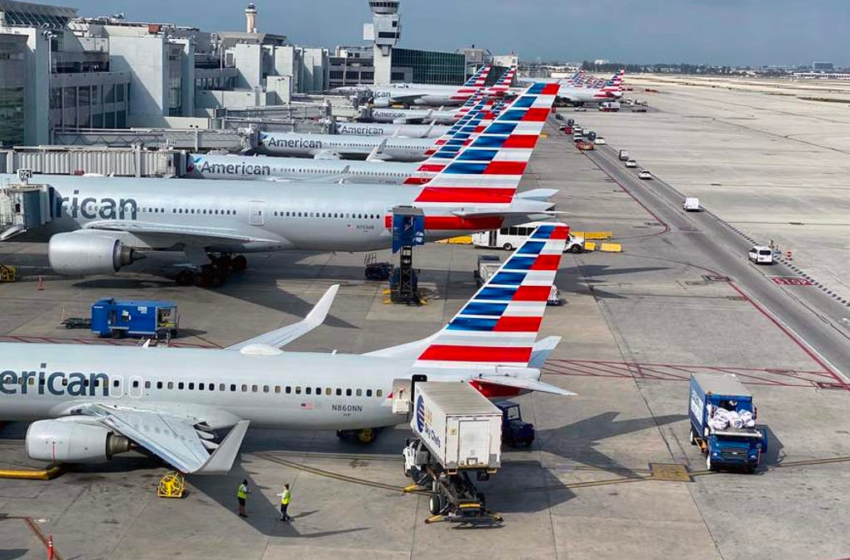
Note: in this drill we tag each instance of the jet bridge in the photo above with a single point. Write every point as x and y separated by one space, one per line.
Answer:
24 206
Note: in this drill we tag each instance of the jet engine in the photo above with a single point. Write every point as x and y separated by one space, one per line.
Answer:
73 442
382 102
85 253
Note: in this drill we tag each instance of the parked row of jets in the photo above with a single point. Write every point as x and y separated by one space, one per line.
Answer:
88 403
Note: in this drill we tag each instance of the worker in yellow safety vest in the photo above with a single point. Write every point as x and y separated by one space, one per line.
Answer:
285 498
242 497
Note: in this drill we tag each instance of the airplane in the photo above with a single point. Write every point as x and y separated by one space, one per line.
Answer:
89 403
580 89
397 130
211 166
431 95
98 225
371 148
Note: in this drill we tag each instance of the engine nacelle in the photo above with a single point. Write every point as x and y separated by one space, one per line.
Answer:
382 102
85 253
73 442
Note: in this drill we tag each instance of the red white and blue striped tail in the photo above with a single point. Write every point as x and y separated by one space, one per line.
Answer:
504 82
478 79
486 172
499 325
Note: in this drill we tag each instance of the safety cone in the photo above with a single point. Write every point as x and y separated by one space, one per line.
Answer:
49 547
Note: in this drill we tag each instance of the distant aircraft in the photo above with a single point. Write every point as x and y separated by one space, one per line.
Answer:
396 130
430 95
89 403
581 88
98 225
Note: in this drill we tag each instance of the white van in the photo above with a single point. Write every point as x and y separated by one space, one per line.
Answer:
760 254
512 237
691 204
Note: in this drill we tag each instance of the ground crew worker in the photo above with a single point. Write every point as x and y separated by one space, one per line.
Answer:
242 497
285 498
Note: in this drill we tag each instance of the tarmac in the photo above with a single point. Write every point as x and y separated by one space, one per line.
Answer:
611 474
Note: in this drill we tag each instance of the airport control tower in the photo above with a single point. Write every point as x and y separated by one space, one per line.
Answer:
385 31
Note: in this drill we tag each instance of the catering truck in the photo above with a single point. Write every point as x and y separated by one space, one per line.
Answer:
723 420
458 433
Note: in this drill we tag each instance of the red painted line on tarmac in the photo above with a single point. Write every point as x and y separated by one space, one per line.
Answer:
790 335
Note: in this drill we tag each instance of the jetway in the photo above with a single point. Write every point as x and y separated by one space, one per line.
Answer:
24 206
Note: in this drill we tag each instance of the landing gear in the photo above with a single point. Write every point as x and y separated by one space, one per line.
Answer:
214 274
364 436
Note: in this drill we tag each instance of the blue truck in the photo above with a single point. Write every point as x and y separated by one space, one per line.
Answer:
111 317
722 418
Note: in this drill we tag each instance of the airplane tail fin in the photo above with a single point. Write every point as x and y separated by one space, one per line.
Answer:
498 326
479 78
487 171
504 82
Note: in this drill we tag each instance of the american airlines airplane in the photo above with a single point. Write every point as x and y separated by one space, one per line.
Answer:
582 89
397 130
209 166
98 225
89 403
332 146
430 95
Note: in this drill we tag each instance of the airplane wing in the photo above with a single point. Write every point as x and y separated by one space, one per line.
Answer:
344 173
175 439
283 336
405 99
522 383
197 235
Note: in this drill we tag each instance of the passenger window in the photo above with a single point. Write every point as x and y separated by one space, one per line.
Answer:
298 390
348 392
115 383
277 389
147 384
159 384
288 390
379 393
180 385
170 385
221 387
368 392
191 386
253 388
244 388
339 392
308 390
265 388
135 384
200 386
212 386
359 392
232 387
328 391
318 390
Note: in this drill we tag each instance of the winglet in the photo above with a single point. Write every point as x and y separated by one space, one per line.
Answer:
379 149
221 460
284 335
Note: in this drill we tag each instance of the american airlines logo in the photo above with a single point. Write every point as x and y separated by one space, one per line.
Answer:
242 168
55 383
285 142
423 422
361 130
92 208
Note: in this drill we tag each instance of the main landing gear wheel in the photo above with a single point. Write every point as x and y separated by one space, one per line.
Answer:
239 263
366 435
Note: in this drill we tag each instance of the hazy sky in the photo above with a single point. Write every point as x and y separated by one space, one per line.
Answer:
702 31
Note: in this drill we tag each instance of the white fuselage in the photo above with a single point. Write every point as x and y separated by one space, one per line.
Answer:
333 145
208 166
383 129
286 390
379 115
306 216
429 96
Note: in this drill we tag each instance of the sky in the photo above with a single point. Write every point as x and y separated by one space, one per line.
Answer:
725 32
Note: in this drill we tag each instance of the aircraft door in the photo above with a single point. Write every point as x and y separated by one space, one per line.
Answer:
493 238
117 388
255 213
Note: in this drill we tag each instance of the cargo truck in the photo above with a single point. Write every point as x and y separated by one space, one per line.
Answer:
111 317
458 433
723 418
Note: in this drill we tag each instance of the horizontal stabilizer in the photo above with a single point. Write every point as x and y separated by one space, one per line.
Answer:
527 384
538 194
